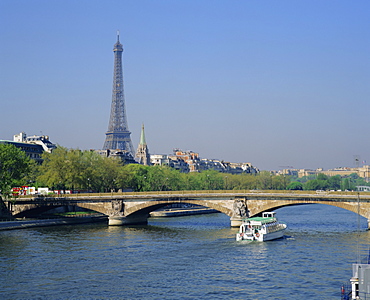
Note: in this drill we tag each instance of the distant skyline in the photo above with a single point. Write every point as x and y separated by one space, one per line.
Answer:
274 83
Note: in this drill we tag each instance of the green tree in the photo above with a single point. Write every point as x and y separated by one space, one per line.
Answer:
312 185
304 179
54 171
162 178
345 184
322 182
61 169
137 177
322 176
264 179
242 181
280 182
334 182
212 180
83 170
206 180
316 184
295 185
348 185
103 174
15 165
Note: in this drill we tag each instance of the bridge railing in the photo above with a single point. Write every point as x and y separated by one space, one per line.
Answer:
194 192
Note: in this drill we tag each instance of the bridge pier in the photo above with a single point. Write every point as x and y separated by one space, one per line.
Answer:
131 220
235 221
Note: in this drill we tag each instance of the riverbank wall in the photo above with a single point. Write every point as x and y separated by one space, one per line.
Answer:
20 224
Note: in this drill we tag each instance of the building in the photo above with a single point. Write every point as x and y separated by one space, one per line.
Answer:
42 140
190 158
33 151
159 160
179 164
142 153
118 136
363 172
34 146
172 162
189 161
239 168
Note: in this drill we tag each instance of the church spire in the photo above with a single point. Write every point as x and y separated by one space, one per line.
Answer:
142 153
142 137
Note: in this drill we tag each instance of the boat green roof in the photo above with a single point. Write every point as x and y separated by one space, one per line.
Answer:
262 220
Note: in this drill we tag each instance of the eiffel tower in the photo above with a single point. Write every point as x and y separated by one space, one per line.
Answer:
118 135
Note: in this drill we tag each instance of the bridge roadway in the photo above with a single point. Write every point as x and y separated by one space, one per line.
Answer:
134 208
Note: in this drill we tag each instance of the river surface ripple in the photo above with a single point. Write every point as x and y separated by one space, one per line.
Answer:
193 257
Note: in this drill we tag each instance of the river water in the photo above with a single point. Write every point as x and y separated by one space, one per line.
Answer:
194 257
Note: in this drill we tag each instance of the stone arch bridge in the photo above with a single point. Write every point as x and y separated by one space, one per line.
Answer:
134 208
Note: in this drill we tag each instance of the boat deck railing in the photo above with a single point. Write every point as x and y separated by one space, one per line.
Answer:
346 291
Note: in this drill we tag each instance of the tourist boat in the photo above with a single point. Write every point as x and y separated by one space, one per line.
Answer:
261 229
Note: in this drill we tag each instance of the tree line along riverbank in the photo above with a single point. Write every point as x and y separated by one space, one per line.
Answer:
79 170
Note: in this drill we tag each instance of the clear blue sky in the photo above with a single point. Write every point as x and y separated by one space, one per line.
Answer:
274 83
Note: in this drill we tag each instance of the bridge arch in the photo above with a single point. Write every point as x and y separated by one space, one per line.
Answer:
35 210
255 209
147 207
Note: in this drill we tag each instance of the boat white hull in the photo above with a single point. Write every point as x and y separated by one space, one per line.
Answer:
271 236
261 237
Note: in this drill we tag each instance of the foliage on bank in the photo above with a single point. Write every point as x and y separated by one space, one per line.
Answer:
324 182
15 168
73 169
